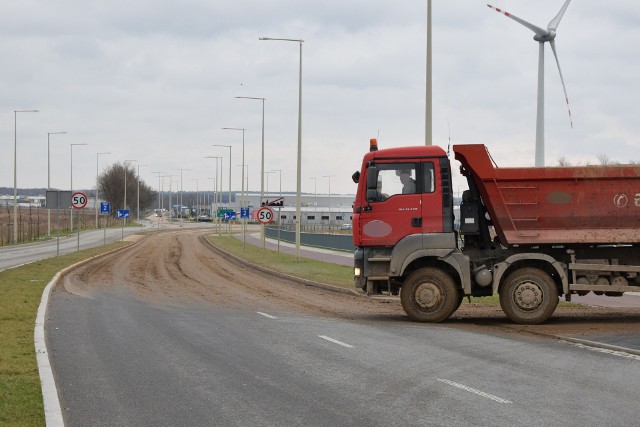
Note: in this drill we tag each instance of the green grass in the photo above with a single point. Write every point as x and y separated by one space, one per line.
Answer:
323 272
20 293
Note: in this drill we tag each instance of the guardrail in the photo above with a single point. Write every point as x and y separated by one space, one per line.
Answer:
339 242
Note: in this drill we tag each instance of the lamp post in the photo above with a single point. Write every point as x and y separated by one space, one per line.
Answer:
97 159
15 171
126 172
428 109
197 201
49 177
161 175
242 186
217 183
138 206
229 197
299 162
279 209
71 171
181 216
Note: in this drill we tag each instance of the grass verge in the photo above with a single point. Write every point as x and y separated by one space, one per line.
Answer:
323 272
20 293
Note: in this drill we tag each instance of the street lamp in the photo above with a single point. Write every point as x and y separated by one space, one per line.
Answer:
242 186
15 171
217 184
299 162
181 217
229 196
49 178
138 206
126 172
71 171
279 209
97 159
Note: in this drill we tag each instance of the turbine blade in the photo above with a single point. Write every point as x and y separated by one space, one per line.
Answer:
553 24
539 31
566 97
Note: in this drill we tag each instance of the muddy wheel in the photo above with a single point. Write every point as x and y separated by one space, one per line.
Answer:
528 296
429 295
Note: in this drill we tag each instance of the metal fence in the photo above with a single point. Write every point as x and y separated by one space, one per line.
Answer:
340 242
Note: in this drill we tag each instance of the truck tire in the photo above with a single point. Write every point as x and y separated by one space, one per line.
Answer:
429 295
528 296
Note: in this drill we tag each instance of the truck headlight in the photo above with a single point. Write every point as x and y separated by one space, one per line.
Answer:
356 271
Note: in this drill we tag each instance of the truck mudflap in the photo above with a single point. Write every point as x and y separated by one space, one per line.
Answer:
500 268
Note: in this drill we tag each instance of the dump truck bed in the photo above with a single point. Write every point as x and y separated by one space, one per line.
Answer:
557 205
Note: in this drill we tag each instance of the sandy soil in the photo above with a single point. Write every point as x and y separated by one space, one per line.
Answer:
176 267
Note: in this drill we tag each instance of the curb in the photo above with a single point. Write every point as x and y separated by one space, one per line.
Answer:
52 409
306 282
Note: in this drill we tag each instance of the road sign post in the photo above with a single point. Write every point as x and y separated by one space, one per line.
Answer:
78 201
124 214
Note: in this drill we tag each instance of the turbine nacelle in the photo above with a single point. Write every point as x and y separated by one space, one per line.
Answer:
542 38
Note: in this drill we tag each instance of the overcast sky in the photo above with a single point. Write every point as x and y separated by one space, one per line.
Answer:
155 81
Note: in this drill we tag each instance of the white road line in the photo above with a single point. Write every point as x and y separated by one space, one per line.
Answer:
266 315
335 341
601 349
473 390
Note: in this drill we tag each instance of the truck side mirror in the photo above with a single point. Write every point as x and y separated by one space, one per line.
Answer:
372 178
356 177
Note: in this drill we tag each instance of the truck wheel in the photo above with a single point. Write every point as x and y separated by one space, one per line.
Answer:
429 295
528 296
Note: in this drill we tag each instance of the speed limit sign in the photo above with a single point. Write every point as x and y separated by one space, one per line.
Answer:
265 215
79 200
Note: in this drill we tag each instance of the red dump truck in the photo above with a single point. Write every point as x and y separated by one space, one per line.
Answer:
527 234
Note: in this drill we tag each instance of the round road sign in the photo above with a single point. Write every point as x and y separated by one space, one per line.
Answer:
79 200
265 215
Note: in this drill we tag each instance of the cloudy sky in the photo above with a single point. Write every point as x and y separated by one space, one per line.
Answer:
155 81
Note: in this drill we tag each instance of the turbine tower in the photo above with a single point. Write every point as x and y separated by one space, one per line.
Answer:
542 36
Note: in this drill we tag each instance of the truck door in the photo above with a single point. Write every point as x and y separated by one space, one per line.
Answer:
395 210
431 197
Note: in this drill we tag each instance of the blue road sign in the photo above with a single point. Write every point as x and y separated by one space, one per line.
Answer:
122 213
244 212
229 216
105 207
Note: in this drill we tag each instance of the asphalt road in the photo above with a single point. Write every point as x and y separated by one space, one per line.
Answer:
11 256
243 357
121 361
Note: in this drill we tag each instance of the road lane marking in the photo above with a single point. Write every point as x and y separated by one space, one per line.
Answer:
324 337
473 390
603 348
266 315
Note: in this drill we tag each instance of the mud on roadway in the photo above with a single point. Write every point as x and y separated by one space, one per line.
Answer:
180 268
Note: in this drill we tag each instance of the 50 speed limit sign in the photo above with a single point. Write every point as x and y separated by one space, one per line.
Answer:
265 215
79 200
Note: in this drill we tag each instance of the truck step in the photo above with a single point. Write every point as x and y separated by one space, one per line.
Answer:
380 259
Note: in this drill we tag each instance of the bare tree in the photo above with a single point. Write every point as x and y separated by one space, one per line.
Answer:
111 184
563 161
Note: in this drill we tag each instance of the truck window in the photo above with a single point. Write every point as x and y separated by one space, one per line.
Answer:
428 178
396 179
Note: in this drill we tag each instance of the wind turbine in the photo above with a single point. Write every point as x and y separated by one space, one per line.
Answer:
542 36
